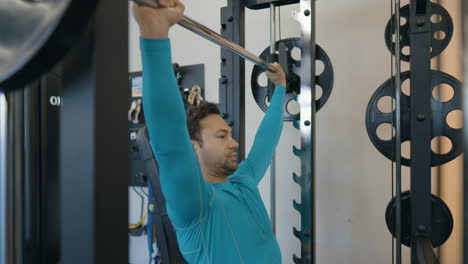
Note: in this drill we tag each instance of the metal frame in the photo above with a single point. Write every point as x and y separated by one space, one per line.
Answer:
260 4
273 57
397 133
306 99
421 123
14 179
232 80
94 141
465 132
3 195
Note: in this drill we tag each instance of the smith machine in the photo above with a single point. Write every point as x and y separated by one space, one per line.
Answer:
301 80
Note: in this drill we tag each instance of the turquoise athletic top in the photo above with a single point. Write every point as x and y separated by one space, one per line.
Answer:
218 223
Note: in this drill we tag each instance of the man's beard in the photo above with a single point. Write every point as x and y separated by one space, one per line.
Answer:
227 168
230 167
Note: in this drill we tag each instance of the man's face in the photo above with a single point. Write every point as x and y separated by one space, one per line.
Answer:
218 151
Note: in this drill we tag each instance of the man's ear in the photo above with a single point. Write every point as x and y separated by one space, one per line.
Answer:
196 145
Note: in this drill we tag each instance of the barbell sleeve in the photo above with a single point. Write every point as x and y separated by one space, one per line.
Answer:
214 37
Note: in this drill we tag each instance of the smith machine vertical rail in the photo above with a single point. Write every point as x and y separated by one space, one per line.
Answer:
303 73
232 80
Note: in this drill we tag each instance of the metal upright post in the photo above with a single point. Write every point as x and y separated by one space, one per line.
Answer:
465 132
306 99
14 177
94 141
232 81
397 133
273 161
3 177
421 123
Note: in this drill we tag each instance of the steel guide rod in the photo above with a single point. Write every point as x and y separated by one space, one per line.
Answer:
272 164
3 195
214 37
397 132
465 131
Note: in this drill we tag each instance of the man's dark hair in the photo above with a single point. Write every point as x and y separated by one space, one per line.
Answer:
197 113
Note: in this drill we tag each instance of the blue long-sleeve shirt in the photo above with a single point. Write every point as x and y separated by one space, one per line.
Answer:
215 222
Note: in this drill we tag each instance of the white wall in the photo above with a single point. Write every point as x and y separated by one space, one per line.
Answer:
353 178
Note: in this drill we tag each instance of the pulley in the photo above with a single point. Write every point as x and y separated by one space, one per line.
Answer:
291 65
441 27
377 115
442 220
36 34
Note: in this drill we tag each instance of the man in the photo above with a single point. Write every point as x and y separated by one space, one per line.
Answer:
213 203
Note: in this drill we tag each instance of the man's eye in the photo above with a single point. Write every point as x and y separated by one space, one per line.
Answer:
222 136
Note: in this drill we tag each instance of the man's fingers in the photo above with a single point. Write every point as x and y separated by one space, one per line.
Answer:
178 5
272 65
166 3
276 66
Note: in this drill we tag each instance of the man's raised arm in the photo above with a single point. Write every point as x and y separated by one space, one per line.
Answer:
269 132
181 177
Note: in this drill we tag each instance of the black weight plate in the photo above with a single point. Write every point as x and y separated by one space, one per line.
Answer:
324 80
445 25
440 110
442 220
36 34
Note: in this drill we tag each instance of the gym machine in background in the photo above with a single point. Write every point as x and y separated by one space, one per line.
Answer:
32 195
417 218
66 181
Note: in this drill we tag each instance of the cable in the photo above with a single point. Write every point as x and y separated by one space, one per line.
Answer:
142 200
143 191
140 223
142 216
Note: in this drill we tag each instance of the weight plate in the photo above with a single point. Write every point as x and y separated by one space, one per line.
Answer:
441 27
376 117
285 47
442 220
36 34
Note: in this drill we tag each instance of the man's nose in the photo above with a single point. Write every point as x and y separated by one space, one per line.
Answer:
234 143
